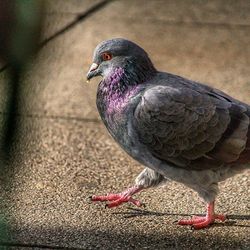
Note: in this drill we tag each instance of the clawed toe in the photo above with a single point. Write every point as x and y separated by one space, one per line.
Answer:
198 222
117 202
220 217
117 199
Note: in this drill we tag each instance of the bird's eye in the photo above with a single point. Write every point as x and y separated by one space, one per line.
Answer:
106 56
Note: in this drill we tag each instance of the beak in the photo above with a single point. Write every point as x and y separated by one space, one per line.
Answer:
92 71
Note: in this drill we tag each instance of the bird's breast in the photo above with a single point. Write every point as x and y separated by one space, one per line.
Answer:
115 110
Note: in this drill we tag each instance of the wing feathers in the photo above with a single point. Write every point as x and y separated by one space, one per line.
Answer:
232 144
188 128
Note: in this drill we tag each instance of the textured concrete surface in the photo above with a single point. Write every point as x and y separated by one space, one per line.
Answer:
67 154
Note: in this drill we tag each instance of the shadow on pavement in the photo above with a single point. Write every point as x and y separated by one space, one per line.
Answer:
135 212
74 238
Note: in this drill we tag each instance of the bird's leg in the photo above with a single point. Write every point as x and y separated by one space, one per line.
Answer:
119 198
147 178
199 222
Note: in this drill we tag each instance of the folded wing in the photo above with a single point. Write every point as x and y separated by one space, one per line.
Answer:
190 129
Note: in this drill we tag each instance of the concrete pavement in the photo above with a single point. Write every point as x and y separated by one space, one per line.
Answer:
68 155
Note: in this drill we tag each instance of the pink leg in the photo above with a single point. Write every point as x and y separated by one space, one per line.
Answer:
198 222
118 199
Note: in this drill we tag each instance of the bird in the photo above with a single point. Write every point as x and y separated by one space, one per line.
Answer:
178 129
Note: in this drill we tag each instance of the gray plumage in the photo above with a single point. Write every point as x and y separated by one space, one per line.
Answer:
179 129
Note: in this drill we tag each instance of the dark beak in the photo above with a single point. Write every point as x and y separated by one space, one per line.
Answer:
92 71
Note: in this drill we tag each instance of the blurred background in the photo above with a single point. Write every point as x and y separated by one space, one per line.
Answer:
55 151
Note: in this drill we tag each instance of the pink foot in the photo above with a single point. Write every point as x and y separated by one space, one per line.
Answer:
199 222
118 199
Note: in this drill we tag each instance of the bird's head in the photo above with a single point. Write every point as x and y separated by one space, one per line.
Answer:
121 53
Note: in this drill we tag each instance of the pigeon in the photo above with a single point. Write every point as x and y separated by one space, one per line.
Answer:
179 129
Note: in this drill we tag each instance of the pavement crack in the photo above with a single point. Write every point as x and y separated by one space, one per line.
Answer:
79 18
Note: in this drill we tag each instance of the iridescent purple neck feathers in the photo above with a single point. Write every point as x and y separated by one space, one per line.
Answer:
122 83
115 91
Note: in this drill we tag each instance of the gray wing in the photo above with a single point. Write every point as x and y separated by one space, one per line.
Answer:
191 129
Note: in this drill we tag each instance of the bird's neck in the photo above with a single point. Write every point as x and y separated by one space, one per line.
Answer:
114 86
115 91
117 88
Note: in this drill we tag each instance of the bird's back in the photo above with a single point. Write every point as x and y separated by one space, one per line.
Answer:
244 157
234 141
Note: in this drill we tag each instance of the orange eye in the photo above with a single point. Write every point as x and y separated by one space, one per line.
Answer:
106 56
